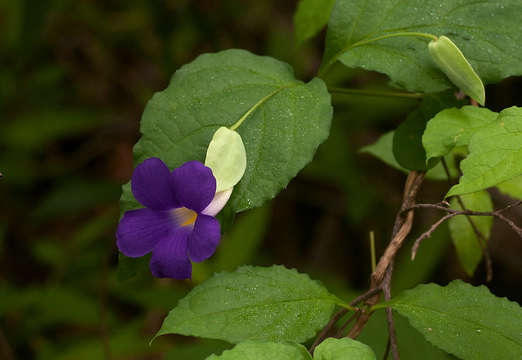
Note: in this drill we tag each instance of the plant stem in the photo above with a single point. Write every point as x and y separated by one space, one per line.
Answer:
375 93
257 104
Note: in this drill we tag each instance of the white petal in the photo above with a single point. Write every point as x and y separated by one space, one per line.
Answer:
218 203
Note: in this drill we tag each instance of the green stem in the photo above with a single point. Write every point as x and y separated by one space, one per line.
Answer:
347 307
259 103
375 93
323 72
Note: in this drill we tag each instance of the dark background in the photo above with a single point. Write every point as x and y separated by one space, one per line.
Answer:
74 79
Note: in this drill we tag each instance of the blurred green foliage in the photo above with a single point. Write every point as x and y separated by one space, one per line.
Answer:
74 79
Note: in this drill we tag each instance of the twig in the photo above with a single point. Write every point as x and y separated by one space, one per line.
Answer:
428 233
453 212
347 322
401 229
338 315
322 335
481 239
366 296
392 336
387 350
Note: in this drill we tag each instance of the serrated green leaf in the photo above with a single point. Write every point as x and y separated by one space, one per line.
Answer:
310 17
487 32
411 343
464 238
343 349
285 120
407 141
382 149
253 350
454 127
512 187
464 320
253 303
495 154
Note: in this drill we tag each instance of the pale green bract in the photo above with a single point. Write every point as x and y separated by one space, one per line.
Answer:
495 154
283 121
488 32
454 127
466 321
452 62
226 157
254 350
463 236
253 303
343 349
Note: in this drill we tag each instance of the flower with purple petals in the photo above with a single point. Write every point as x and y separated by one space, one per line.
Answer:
177 224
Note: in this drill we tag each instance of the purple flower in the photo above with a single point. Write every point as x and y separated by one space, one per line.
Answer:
174 224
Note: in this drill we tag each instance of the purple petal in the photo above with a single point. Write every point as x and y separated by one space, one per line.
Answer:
151 185
194 185
140 231
170 258
204 238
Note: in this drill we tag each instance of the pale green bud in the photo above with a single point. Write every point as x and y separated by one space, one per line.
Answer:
226 157
454 64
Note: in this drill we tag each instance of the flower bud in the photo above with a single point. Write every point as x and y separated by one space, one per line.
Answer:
226 157
452 62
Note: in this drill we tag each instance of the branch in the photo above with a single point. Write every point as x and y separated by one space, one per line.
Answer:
401 229
453 212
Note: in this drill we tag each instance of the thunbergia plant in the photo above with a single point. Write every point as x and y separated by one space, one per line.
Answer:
233 128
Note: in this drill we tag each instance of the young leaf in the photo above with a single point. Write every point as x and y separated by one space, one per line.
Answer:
310 17
253 350
464 238
495 154
454 127
472 25
282 120
253 303
407 141
512 187
464 320
343 349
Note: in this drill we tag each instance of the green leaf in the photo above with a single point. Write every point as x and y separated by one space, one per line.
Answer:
253 350
311 16
411 343
512 187
464 238
495 154
487 32
454 127
464 320
343 349
285 120
382 149
407 141
253 303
